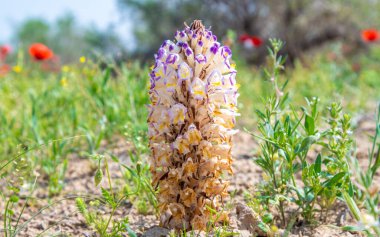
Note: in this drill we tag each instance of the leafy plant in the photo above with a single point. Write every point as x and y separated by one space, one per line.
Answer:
137 174
290 139
137 189
104 225
14 181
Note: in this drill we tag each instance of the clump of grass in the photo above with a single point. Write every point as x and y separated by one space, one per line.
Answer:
55 122
37 108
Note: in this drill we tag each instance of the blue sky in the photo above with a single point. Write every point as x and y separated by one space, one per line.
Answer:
98 12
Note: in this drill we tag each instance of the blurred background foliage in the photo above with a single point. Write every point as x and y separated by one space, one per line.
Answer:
305 25
323 43
68 39
289 20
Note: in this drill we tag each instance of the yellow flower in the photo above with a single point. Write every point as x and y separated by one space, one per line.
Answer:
65 68
17 69
82 59
274 228
63 82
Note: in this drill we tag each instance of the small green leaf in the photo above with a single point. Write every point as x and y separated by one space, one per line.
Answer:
310 197
14 198
106 77
309 125
306 143
300 192
138 168
108 198
350 189
352 206
318 164
130 170
267 218
351 228
334 180
263 227
260 114
131 233
114 158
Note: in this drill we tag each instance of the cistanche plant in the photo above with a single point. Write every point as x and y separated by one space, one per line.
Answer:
193 95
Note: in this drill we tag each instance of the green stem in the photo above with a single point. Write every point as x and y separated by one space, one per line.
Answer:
108 221
108 176
5 219
281 202
282 213
112 213
26 203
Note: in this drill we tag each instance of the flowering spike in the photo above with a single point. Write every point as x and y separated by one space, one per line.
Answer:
193 96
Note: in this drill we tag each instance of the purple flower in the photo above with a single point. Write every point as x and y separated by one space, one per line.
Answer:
200 58
226 52
164 43
188 52
172 58
161 52
214 48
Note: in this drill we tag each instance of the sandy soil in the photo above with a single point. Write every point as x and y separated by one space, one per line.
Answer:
62 218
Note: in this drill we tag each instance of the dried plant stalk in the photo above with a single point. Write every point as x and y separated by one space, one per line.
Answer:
193 94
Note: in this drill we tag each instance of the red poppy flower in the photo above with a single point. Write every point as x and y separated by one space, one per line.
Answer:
257 42
244 37
250 41
4 51
40 52
4 69
370 35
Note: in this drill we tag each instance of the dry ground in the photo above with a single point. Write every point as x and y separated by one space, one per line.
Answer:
62 218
